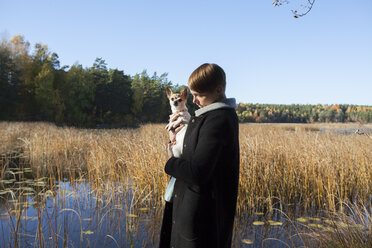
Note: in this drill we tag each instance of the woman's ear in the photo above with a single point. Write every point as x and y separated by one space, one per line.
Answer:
220 90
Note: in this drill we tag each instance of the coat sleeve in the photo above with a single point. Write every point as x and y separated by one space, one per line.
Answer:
212 138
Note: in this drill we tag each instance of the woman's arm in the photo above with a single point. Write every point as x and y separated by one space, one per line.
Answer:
212 138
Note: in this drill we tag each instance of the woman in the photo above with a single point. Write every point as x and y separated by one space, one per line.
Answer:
205 192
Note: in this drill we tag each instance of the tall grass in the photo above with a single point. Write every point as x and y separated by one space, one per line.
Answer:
109 162
296 164
280 164
349 229
105 158
300 167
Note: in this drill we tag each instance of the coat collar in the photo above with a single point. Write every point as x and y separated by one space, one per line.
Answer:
224 103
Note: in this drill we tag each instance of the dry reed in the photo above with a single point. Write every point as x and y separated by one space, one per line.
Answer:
349 229
288 164
301 167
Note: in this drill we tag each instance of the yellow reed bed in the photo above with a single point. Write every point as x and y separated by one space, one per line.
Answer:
297 164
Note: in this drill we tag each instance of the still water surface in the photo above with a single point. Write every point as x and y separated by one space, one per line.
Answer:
76 215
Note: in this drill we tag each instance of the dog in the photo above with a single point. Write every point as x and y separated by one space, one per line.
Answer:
177 102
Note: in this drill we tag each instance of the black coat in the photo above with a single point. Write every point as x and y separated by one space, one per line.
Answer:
205 192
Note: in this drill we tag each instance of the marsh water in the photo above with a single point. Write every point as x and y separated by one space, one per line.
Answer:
72 215
41 213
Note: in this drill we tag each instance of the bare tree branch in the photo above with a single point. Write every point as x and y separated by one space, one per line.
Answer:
296 13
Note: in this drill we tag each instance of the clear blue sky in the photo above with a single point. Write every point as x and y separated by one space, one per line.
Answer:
269 56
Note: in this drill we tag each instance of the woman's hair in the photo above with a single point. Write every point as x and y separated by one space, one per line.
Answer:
206 78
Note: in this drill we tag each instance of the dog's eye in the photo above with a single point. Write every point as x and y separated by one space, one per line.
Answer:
172 98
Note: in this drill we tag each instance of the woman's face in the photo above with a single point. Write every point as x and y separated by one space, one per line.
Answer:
204 99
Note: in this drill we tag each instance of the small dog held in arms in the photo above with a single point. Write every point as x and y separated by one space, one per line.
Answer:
177 102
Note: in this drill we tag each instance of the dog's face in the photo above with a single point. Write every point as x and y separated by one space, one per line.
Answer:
177 100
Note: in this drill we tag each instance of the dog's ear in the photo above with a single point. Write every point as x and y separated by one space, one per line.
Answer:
185 93
169 92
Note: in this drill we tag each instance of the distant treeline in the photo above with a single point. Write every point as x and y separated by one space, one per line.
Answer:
34 87
303 113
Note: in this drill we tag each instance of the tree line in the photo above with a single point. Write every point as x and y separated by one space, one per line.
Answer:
295 113
35 87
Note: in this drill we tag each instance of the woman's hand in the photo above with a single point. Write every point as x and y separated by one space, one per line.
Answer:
174 117
171 123
173 132
176 126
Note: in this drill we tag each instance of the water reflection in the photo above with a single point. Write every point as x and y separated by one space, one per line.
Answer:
74 215
41 213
